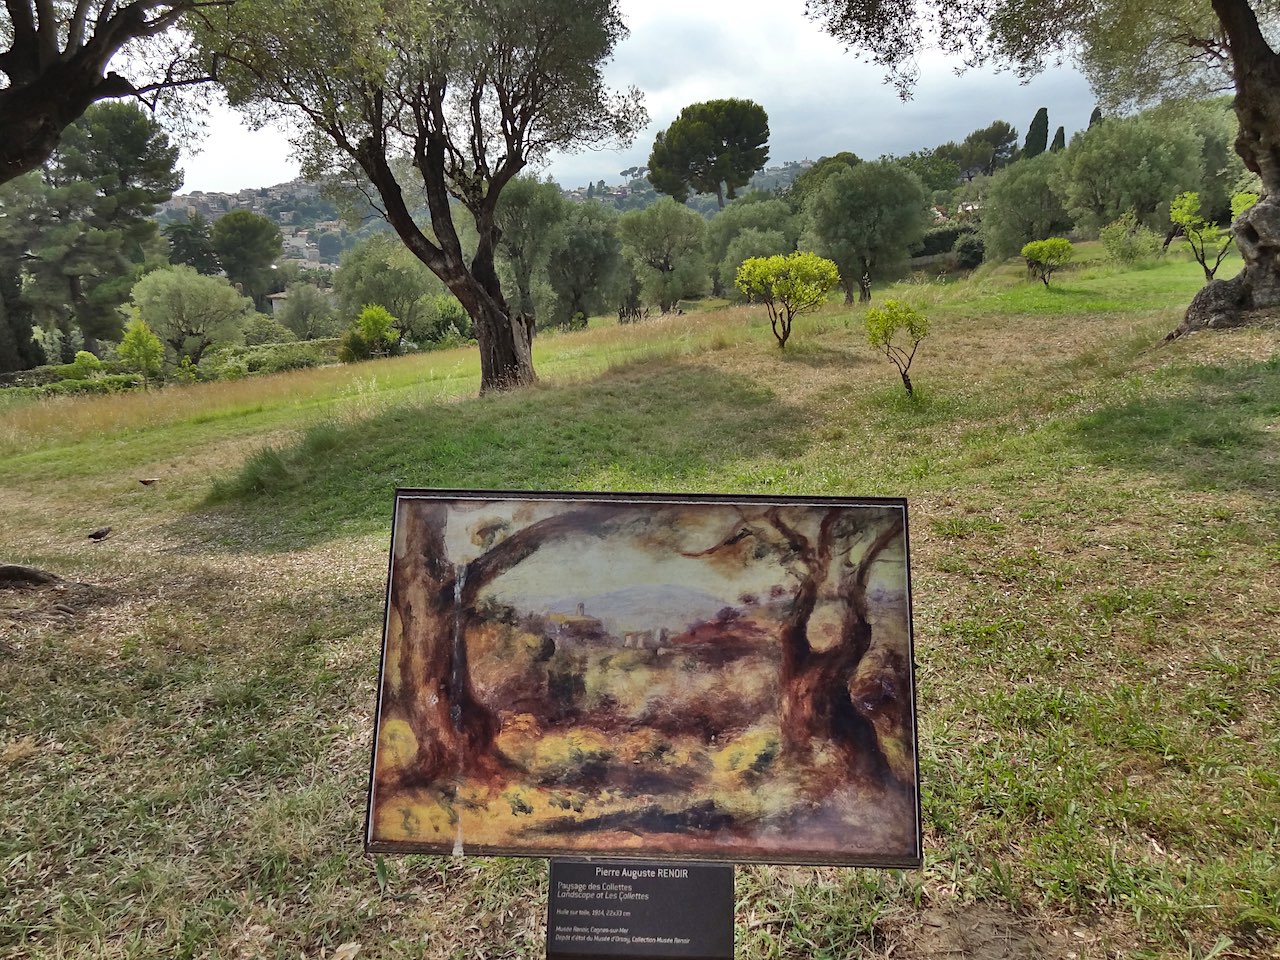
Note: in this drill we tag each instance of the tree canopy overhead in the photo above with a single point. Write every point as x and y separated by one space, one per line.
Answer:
55 58
467 92
1133 52
712 147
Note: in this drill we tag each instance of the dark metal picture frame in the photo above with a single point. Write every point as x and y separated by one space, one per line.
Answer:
647 675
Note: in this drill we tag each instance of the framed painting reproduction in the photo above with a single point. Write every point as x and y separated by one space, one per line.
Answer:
641 675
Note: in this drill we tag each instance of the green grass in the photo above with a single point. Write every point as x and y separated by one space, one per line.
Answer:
184 738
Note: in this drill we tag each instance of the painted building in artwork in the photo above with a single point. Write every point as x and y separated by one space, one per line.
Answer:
577 626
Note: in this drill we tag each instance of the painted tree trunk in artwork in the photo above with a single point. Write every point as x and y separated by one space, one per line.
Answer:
817 703
453 730
1256 67
434 601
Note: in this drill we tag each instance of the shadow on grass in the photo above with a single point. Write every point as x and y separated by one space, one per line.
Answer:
644 426
1218 430
814 355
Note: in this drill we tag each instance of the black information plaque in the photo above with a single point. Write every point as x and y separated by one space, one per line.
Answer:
611 909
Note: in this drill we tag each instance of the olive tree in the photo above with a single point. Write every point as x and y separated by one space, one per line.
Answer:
1022 206
55 56
468 92
189 311
1134 52
866 218
664 241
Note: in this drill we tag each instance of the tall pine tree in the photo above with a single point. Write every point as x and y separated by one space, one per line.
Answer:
95 201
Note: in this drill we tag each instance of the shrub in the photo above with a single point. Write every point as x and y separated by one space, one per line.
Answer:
447 320
112 383
232 363
354 347
260 329
140 349
1127 241
884 324
941 239
969 251
84 366
1045 256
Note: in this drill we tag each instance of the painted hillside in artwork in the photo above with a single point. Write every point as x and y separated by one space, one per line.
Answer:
647 677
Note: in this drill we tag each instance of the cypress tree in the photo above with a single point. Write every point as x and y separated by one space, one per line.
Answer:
1095 116
1059 141
1037 134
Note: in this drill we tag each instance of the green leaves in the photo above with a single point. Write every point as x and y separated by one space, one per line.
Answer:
888 329
866 218
788 286
1205 239
1045 256
712 147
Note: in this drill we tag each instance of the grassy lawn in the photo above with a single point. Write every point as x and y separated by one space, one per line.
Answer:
185 720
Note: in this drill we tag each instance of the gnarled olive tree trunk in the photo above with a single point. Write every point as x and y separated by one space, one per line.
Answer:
1227 303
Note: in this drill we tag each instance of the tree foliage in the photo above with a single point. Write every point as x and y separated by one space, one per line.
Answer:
752 212
307 312
712 147
191 242
381 270
1129 164
189 311
248 245
1021 206
896 330
866 219
935 170
984 151
1127 241
787 286
586 263
88 218
470 92
810 180
752 242
1045 256
529 213
1205 238
55 60
140 349
665 243
1037 135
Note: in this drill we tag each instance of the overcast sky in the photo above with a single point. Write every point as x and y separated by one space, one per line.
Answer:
820 99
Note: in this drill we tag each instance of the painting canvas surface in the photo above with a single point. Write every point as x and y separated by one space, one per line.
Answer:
647 676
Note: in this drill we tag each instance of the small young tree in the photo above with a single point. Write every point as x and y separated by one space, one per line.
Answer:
1207 239
140 349
787 286
884 324
1045 256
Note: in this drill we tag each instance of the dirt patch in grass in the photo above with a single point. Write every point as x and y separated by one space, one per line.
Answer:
976 932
